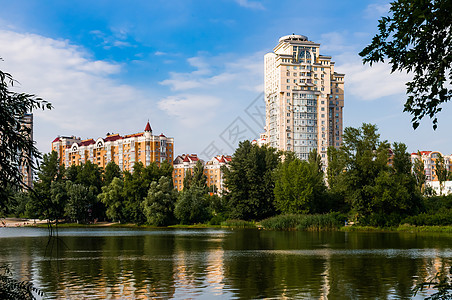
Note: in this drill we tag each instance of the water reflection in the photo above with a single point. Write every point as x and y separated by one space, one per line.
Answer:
243 264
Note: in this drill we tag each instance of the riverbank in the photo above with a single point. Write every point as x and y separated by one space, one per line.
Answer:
16 222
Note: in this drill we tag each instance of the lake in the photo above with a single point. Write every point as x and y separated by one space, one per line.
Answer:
122 263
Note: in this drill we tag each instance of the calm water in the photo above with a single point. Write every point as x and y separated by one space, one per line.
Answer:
108 263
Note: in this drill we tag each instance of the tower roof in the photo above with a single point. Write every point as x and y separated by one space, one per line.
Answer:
148 127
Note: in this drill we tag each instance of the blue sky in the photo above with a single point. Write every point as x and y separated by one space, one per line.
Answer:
193 68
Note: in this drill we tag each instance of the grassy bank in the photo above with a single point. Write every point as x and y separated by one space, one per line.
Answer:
331 221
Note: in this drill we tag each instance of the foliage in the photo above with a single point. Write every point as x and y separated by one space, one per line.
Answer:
305 222
419 172
80 202
233 223
440 218
111 171
159 204
442 172
249 181
299 186
17 150
379 194
416 37
13 289
41 204
113 197
441 283
192 205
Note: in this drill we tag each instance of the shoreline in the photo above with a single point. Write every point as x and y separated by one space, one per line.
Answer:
23 222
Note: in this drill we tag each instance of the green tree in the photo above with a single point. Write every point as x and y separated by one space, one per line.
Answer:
442 172
419 172
17 150
111 171
199 178
379 194
298 186
416 37
113 197
192 205
41 204
159 203
80 202
249 181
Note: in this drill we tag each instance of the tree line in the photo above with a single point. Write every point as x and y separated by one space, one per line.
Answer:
368 180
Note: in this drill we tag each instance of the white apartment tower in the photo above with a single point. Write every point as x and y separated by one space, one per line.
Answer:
304 98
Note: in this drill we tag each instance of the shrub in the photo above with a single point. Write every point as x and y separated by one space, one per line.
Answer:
328 221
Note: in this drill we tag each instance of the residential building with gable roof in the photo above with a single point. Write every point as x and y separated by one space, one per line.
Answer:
123 150
429 159
181 165
213 171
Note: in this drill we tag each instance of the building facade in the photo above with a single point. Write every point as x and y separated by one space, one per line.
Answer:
212 169
182 164
304 98
123 150
429 159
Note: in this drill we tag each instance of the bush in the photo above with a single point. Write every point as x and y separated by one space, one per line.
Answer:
438 219
329 221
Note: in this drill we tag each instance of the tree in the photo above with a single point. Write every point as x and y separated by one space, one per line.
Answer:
192 205
113 197
442 172
379 194
416 37
197 178
419 172
41 204
159 203
17 150
80 202
249 181
298 186
111 171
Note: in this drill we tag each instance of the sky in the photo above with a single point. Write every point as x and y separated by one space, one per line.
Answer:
194 69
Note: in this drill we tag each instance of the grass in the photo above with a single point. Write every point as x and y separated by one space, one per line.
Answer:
331 221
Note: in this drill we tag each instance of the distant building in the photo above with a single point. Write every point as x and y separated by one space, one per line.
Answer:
213 171
25 169
304 98
182 164
261 141
123 150
429 158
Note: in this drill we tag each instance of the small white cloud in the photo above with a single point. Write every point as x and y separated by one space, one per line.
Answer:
190 109
250 4
159 53
376 10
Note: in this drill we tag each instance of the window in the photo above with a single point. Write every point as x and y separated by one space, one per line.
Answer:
288 87
288 94
288 80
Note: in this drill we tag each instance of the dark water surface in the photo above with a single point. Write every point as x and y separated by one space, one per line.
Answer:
112 263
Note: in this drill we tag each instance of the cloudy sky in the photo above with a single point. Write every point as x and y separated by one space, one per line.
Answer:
194 69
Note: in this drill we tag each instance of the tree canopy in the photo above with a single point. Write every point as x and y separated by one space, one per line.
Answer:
416 37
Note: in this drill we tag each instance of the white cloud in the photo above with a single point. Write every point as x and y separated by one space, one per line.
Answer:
370 83
376 10
250 4
220 71
85 99
190 109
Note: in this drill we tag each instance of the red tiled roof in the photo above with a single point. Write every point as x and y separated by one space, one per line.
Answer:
422 153
112 138
133 135
56 140
86 142
186 159
148 127
221 160
162 135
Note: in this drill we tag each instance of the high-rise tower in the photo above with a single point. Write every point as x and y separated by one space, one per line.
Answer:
304 98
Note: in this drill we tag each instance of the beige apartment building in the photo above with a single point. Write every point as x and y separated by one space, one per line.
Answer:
304 98
123 150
